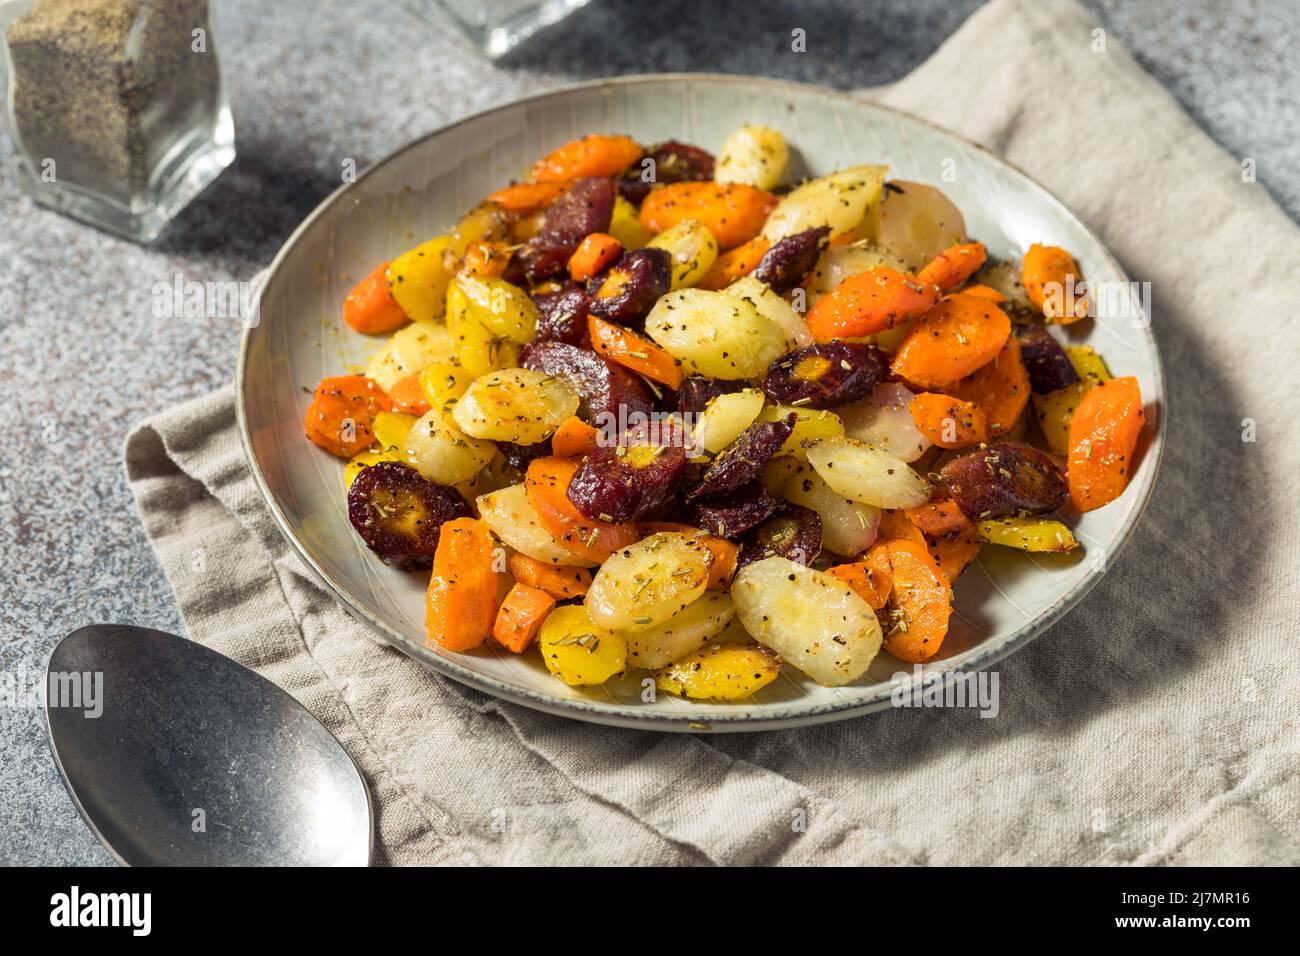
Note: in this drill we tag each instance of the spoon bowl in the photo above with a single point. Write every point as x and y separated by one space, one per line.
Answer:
176 755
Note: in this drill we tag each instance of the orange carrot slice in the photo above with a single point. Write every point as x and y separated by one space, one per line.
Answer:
895 525
370 307
938 518
735 264
341 416
560 581
526 198
486 259
409 397
1000 389
1104 433
520 617
593 155
869 302
984 292
950 341
950 268
948 422
921 597
1048 274
461 603
634 351
597 250
870 577
733 212
574 438
547 482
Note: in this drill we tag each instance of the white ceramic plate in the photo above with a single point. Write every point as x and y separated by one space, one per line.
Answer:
1003 601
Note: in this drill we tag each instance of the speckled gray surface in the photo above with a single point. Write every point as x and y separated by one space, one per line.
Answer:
315 83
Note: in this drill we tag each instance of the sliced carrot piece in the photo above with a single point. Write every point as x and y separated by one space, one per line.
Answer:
1049 273
634 351
341 416
947 421
896 526
593 155
461 603
870 577
1000 388
733 212
547 481
520 617
921 598
725 553
574 438
869 302
487 259
370 307
597 250
735 264
560 581
984 292
950 268
1104 433
408 396
954 552
939 518
526 198
950 341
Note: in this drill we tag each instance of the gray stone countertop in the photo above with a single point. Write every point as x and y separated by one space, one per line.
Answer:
313 82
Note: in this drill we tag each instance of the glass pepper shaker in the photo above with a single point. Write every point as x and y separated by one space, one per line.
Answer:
116 107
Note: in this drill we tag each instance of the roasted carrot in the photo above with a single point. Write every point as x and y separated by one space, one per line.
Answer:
947 421
999 388
954 552
461 603
869 302
520 617
486 259
1049 274
341 416
725 553
733 212
597 250
938 518
574 438
895 525
370 307
870 577
984 292
634 351
734 264
560 581
408 396
527 198
920 598
950 341
593 155
547 481
950 268
1103 436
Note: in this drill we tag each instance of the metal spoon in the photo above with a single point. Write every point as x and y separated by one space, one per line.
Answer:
175 755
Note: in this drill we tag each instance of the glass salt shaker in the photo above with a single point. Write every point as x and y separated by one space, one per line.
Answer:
116 107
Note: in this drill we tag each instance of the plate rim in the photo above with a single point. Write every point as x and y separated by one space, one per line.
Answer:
618 715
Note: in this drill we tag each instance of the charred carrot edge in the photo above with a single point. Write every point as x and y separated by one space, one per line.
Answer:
735 264
634 351
597 250
947 421
461 602
341 416
547 482
527 198
954 265
574 438
593 155
869 302
725 553
370 307
560 581
520 617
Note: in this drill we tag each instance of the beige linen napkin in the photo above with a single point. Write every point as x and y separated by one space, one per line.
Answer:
1156 724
